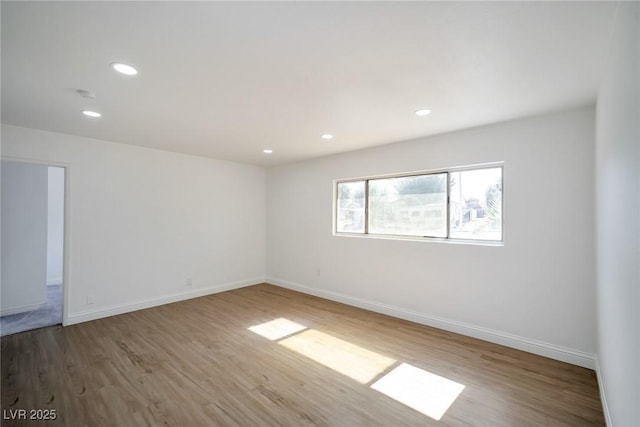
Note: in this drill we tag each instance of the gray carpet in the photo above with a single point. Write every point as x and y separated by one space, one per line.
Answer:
51 314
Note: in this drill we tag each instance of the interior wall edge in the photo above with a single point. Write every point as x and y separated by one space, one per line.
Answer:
88 315
552 351
603 394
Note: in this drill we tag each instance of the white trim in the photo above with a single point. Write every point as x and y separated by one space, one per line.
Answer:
88 315
564 354
34 161
22 309
445 240
486 165
603 395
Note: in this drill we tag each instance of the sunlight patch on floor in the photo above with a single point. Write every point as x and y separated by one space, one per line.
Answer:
427 393
276 329
423 391
349 359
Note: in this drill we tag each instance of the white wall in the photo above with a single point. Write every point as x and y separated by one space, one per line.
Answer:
142 221
24 237
618 232
55 225
536 292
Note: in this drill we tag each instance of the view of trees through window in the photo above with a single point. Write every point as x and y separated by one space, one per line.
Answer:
416 205
409 206
476 204
350 207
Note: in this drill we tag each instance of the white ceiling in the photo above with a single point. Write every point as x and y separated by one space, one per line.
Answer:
227 79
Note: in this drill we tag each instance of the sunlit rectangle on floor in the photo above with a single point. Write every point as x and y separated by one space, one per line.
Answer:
423 391
277 328
349 359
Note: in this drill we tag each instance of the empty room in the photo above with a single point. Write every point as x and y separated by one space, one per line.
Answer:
320 213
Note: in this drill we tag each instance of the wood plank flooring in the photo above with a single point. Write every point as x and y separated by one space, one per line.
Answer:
196 363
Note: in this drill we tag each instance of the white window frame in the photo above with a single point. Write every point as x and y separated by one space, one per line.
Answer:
448 238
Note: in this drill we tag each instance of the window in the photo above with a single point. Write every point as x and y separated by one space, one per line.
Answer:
350 218
409 206
462 203
475 204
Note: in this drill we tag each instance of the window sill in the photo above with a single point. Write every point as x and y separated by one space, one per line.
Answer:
422 239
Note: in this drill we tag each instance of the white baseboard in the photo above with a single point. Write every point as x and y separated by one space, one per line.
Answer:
54 281
575 357
99 313
21 309
603 394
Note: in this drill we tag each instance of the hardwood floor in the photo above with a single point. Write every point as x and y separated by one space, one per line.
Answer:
197 363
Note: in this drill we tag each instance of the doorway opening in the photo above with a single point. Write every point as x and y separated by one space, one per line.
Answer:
33 221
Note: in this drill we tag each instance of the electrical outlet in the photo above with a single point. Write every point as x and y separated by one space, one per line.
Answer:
189 281
318 272
89 300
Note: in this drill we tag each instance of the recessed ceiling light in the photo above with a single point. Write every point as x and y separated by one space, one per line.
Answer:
423 112
327 136
90 113
124 68
267 151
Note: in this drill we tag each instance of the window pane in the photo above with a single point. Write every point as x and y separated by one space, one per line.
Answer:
476 204
409 206
350 215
